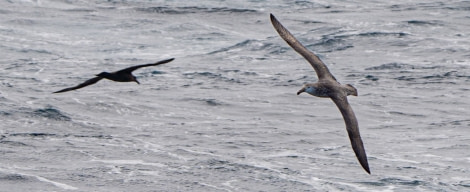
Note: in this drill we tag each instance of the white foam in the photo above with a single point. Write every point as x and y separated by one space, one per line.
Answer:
229 184
215 187
55 183
129 162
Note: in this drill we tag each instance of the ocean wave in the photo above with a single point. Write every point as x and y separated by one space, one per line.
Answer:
402 181
421 22
210 102
193 10
447 75
406 114
455 6
391 66
453 123
373 34
416 74
251 45
440 77
211 75
268 48
14 177
415 6
5 11
39 51
328 44
12 143
23 21
81 10
50 113
227 166
5 113
48 135
372 78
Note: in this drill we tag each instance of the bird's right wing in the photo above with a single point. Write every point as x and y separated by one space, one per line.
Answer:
130 69
84 84
320 68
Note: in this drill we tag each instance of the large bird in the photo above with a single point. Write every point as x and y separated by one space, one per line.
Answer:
328 87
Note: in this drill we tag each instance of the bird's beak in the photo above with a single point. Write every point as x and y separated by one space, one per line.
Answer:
136 81
300 91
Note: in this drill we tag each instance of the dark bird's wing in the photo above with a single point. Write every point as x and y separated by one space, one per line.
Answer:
84 84
130 69
320 68
353 130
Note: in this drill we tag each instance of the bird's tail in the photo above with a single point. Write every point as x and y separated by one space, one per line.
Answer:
351 90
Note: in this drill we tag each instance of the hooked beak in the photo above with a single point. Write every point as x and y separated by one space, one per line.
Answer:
300 91
136 81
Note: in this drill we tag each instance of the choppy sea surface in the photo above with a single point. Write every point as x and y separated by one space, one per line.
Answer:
224 115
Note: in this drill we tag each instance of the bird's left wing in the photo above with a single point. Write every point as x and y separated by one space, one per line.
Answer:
353 130
84 84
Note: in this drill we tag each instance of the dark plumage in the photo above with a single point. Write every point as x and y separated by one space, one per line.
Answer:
124 75
327 86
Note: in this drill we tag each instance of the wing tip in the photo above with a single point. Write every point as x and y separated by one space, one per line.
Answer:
60 91
366 168
274 20
165 61
364 164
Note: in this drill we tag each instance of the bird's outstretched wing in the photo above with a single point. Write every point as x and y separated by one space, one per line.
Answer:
320 68
84 84
130 69
353 130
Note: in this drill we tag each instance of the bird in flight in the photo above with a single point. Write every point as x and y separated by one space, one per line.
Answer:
328 87
124 75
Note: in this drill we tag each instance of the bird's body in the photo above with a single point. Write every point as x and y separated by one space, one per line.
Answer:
328 87
124 75
325 88
119 77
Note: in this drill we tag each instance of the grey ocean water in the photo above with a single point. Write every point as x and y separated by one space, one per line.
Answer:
224 116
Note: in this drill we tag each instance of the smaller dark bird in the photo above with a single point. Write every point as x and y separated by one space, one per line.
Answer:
124 75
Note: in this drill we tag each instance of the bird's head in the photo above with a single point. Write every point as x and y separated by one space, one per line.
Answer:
313 89
310 89
301 91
